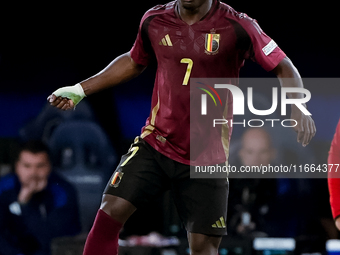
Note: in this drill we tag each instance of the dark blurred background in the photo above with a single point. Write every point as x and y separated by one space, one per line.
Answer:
52 44
45 46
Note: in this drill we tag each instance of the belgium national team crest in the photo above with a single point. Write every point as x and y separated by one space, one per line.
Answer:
212 43
115 180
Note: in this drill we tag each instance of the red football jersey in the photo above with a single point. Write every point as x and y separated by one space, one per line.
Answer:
334 173
214 47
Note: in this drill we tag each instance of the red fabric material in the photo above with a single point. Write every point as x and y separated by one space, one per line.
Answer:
104 235
334 173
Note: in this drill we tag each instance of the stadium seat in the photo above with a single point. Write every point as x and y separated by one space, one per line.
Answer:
83 154
50 117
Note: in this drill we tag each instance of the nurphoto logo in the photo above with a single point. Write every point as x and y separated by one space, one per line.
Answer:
239 103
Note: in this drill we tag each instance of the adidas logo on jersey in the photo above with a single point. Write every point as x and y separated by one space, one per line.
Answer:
219 224
166 41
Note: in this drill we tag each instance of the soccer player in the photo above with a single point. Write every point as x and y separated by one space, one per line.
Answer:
333 176
187 38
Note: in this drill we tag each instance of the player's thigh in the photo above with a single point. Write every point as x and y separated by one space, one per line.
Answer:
138 178
202 205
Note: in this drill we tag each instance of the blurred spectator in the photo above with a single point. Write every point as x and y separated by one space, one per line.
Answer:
36 205
248 196
279 207
275 206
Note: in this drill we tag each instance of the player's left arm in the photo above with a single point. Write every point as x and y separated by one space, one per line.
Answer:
306 127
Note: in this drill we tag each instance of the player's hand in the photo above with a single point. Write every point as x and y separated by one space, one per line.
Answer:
62 103
67 97
305 128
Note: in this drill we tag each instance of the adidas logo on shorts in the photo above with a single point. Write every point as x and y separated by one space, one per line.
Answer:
220 223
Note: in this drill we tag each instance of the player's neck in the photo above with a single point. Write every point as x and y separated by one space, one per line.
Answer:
191 16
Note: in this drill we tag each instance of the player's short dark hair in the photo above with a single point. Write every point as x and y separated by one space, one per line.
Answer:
34 146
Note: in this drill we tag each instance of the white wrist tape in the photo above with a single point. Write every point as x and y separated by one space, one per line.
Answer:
75 93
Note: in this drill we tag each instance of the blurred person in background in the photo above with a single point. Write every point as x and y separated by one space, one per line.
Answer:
249 197
36 205
280 207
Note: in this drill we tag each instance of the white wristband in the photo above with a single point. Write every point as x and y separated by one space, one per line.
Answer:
75 93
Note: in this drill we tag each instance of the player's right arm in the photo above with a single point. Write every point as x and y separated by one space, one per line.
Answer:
120 70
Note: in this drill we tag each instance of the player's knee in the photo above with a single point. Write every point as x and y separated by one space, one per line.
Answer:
116 207
203 248
197 248
203 244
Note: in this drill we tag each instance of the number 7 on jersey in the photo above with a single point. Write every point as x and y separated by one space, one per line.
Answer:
189 68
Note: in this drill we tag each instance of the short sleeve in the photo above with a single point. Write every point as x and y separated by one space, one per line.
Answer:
264 50
141 51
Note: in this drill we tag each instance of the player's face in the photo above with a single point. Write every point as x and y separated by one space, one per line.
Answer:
32 167
191 4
